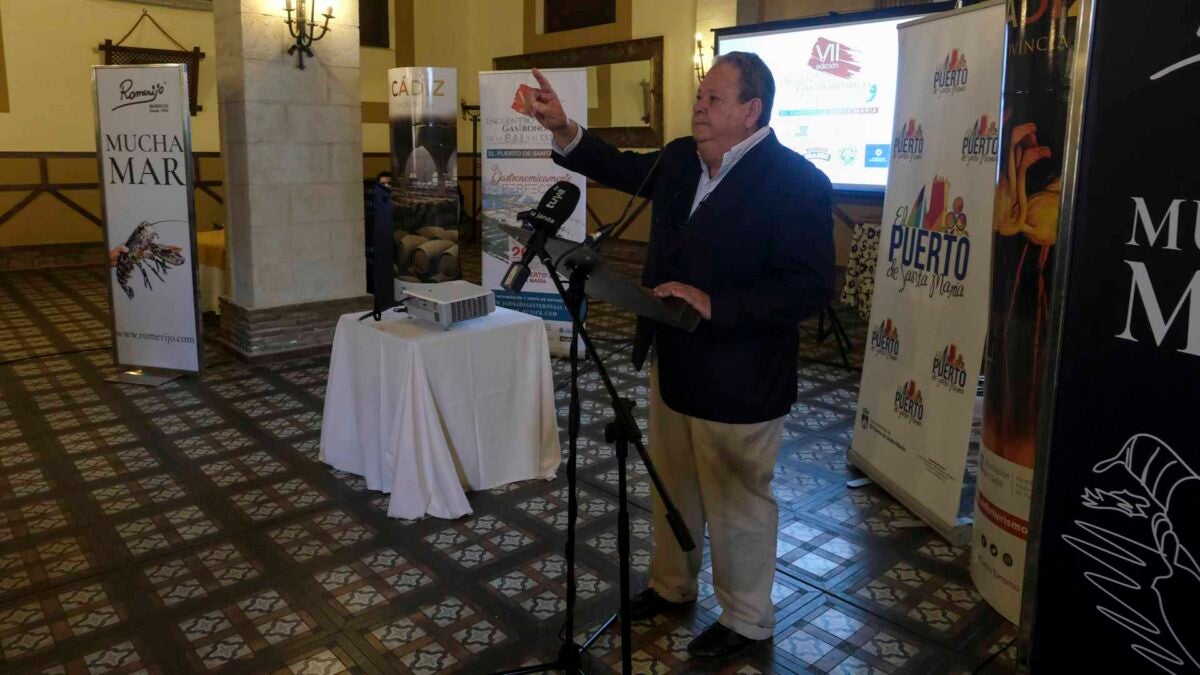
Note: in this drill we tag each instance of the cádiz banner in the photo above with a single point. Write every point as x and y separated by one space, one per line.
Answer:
423 123
517 170
929 306
1114 578
144 148
1037 85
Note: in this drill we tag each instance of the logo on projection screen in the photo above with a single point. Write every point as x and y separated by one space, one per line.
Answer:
834 58
877 156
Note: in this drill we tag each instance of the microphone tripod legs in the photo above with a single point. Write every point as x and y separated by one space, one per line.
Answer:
622 431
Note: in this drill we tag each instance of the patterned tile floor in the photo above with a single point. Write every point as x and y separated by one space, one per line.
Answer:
192 529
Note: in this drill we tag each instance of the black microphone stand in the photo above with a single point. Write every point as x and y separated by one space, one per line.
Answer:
621 432
617 227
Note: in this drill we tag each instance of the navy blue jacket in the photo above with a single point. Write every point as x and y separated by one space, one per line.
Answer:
761 245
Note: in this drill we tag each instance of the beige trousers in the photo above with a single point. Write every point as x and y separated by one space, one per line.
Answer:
719 474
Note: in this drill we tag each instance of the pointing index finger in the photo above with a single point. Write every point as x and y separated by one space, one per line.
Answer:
543 83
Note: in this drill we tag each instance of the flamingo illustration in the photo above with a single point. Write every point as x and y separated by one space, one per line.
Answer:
1035 216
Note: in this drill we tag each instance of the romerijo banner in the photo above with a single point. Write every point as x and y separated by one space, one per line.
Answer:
143 143
929 309
517 170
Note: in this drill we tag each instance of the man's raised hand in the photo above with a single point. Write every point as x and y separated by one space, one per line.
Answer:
548 111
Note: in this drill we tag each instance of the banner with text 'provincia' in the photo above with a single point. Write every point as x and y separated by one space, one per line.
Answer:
1038 83
517 171
143 138
929 309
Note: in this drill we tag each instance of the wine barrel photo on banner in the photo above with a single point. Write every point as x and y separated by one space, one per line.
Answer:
426 201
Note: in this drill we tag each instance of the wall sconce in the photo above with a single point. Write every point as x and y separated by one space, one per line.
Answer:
698 59
305 30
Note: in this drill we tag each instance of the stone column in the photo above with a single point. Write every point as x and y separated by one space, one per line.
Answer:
291 142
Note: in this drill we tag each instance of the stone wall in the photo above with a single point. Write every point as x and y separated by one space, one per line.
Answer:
291 140
292 144
255 335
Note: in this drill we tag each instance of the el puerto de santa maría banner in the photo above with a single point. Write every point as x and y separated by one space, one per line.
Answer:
1115 584
929 307
517 170
145 167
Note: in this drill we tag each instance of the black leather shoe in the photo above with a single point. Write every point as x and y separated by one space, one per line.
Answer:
718 642
649 603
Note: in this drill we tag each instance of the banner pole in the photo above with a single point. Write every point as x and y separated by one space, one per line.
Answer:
1058 307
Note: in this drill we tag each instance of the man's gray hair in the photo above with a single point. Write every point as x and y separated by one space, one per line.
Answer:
755 81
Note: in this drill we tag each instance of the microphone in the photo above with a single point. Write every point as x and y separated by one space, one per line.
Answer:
620 223
556 207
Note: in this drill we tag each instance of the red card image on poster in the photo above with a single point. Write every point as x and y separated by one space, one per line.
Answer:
523 100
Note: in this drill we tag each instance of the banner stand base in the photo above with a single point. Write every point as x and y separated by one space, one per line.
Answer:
957 534
143 377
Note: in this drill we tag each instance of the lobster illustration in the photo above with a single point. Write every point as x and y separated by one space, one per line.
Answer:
143 252
1149 572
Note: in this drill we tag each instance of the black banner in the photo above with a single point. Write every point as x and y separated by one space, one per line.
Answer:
1118 570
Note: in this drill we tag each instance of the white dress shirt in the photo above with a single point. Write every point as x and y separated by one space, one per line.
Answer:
707 183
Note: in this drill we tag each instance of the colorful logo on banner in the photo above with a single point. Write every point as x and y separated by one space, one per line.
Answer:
909 141
929 247
949 369
834 58
952 76
981 143
885 340
848 154
910 404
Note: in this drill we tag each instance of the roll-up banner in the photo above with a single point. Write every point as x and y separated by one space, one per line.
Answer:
1113 581
423 123
929 307
144 148
517 171
1037 87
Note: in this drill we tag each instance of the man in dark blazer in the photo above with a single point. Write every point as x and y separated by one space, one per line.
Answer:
741 229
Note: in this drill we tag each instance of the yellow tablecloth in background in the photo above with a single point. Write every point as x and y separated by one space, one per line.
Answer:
210 252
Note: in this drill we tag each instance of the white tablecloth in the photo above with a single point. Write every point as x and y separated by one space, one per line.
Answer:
426 414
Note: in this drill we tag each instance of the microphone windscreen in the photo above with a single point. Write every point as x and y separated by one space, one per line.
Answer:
556 206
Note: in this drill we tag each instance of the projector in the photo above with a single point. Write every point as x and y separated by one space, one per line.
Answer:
446 303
